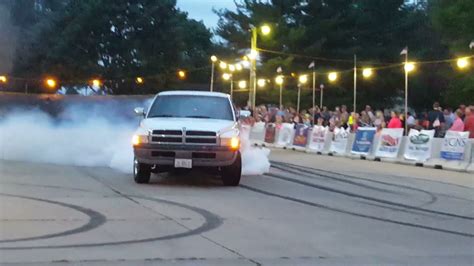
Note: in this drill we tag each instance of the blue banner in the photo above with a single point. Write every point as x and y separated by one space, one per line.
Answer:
363 140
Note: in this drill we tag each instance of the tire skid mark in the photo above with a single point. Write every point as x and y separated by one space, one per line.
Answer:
313 175
354 195
315 171
317 205
96 219
212 221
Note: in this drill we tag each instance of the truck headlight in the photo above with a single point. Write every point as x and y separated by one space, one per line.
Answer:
235 143
139 139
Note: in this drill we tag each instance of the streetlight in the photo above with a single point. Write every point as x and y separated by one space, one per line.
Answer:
238 67
51 83
231 68
261 83
181 74
265 30
409 67
367 73
279 82
226 77
213 66
139 80
96 83
302 79
3 79
463 62
223 65
242 84
332 76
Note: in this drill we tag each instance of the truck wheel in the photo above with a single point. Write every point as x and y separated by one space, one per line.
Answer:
141 172
231 174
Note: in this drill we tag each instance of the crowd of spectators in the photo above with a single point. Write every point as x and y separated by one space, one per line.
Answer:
439 119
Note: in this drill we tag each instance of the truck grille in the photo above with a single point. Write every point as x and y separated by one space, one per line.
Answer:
184 137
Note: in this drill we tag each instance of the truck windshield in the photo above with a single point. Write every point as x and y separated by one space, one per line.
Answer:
191 106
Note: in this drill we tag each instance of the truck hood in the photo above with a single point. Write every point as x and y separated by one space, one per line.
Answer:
164 123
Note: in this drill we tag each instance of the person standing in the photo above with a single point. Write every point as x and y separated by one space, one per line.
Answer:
469 120
436 119
395 121
458 124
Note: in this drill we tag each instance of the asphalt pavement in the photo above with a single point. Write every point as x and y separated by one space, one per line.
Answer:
309 210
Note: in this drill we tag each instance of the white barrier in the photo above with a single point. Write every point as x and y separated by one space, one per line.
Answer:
457 165
470 167
284 137
257 133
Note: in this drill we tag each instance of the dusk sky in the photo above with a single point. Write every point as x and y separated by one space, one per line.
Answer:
202 9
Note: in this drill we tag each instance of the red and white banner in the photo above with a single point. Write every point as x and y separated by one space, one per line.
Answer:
317 138
389 144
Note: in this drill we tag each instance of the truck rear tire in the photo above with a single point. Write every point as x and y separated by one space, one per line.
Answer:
231 174
141 172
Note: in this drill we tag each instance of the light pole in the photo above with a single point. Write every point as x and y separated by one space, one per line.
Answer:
301 81
355 83
279 82
226 77
265 29
321 87
408 67
313 66
213 62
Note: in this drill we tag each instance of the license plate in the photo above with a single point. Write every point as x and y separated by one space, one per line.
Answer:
183 163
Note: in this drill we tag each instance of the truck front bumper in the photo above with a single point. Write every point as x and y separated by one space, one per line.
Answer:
201 155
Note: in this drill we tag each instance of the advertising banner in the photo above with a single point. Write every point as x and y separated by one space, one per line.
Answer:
318 136
454 144
418 146
285 134
270 131
363 140
301 135
389 144
339 141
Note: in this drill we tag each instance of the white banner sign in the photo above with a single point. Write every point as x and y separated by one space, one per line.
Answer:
454 144
317 138
285 135
389 144
418 145
258 131
339 141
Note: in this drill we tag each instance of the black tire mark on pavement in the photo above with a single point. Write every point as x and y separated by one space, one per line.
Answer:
390 176
308 203
313 175
315 171
212 221
47 186
96 219
354 195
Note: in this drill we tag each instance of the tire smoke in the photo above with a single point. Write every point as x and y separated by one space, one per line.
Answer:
87 135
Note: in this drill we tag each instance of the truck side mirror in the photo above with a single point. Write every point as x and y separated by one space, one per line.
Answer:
139 111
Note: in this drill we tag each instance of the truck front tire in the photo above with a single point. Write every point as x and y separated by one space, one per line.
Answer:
231 174
141 172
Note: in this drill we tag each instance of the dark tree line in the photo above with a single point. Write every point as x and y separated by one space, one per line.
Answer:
118 40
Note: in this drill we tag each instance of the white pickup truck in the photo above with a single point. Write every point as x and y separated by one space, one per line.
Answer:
188 129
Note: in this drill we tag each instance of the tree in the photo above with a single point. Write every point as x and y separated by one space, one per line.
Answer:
118 41
455 21
324 30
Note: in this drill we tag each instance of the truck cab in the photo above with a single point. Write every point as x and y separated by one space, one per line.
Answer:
188 129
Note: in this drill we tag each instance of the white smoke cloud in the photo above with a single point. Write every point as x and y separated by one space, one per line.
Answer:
87 136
